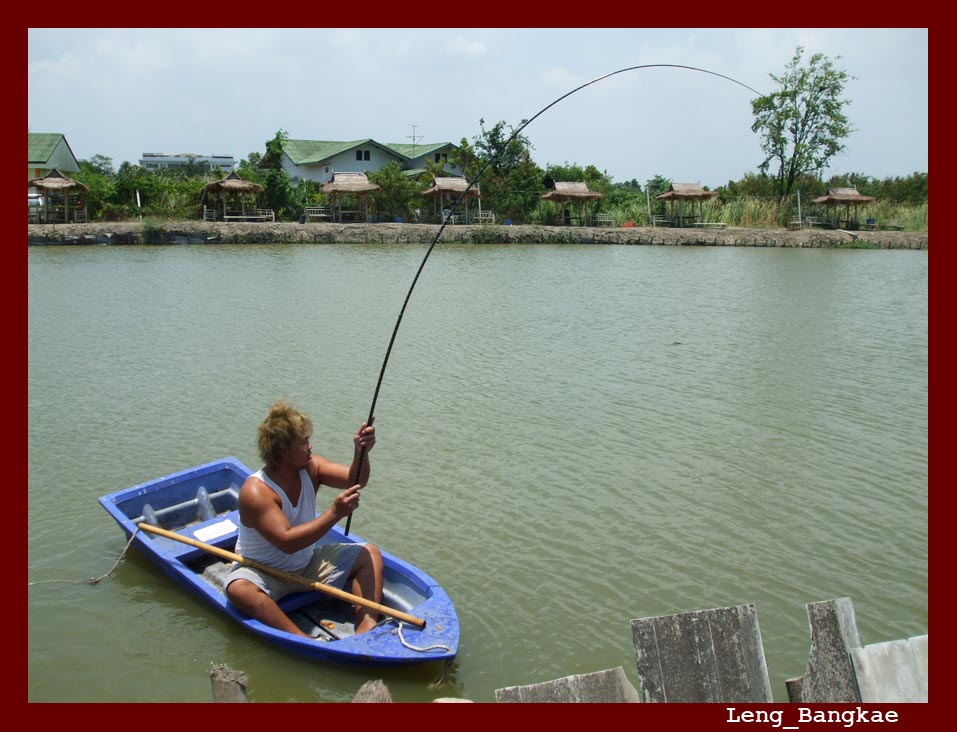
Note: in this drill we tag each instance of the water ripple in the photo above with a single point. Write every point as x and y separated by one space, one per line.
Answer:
570 437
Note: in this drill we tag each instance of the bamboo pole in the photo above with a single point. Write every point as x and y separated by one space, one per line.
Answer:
288 576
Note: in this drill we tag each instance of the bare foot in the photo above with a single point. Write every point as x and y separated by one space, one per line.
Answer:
366 624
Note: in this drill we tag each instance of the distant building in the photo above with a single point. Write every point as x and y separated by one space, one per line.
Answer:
47 151
318 160
156 161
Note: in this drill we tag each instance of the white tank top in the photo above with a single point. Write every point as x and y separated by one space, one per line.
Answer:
252 545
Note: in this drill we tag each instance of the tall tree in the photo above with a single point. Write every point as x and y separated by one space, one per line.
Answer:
278 193
802 124
395 192
654 187
99 164
512 182
131 180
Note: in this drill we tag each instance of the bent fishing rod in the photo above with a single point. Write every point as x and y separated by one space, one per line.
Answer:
448 215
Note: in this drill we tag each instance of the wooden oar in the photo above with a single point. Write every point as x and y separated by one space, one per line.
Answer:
288 576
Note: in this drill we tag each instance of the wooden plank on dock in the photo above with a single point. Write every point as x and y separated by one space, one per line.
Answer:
702 656
829 676
611 686
892 672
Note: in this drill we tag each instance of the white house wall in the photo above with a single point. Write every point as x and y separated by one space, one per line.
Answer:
421 161
450 169
342 163
346 162
62 158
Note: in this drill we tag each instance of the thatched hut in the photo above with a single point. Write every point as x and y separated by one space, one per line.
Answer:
448 190
232 187
346 187
679 194
574 193
846 197
57 190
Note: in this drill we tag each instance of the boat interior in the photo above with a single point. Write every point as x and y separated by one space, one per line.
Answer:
318 615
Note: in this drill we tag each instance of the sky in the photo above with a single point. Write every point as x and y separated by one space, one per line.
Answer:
120 92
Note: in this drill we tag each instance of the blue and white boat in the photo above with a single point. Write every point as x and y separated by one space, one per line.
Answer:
188 523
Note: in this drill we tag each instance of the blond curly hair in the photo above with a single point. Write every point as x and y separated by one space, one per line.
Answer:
282 427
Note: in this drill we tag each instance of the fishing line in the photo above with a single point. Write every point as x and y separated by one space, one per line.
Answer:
448 215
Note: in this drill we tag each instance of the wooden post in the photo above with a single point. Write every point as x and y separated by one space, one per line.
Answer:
374 692
794 689
228 685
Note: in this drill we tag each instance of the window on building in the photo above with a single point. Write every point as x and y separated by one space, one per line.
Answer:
441 157
363 155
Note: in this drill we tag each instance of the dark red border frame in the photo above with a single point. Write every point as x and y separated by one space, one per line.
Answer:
496 13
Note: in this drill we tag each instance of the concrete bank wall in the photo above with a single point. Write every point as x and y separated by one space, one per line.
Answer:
182 232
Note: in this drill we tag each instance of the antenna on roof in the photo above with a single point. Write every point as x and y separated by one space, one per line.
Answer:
414 138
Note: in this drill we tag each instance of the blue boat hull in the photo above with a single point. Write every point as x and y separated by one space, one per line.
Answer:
201 503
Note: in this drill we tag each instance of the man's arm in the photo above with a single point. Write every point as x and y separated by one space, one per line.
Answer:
260 508
340 475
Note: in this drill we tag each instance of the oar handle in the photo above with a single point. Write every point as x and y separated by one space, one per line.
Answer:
289 576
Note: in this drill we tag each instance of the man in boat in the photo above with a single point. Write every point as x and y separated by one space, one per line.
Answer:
279 526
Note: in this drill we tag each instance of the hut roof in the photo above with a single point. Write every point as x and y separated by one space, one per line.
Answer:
686 192
571 191
451 184
349 183
842 196
56 181
232 183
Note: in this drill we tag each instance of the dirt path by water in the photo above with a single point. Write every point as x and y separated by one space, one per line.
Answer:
331 233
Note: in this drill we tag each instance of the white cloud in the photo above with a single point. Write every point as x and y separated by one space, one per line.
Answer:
461 45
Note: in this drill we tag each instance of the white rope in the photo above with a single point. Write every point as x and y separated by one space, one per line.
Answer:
437 647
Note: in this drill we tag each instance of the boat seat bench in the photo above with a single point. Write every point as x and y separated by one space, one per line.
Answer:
203 507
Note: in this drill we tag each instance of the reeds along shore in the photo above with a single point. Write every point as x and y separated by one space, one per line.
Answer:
201 232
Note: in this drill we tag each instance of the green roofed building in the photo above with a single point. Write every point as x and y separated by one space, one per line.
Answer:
318 160
48 151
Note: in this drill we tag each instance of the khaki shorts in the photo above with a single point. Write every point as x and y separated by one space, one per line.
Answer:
330 564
